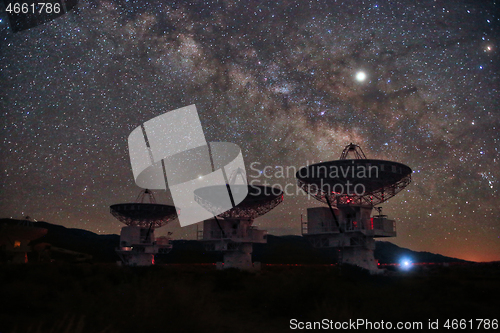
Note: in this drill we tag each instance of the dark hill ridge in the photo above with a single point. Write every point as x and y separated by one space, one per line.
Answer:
278 250
100 247
388 253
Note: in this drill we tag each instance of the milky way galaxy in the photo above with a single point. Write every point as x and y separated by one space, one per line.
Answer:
290 82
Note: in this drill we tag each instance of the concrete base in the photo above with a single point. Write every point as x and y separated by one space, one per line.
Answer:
240 259
20 258
361 257
130 258
138 246
237 259
254 267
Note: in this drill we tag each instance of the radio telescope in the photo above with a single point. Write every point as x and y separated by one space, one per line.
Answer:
138 245
231 231
351 187
15 238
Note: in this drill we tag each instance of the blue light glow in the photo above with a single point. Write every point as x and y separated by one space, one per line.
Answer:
405 264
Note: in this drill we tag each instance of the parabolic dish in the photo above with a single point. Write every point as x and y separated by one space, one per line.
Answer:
259 200
144 214
363 182
20 232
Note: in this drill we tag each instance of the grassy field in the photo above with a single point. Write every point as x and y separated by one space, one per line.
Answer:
182 298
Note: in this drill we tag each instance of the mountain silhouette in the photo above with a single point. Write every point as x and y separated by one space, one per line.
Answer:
278 250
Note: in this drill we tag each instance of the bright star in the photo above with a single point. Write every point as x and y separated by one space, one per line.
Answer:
361 76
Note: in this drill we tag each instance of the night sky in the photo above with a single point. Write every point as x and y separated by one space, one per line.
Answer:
290 82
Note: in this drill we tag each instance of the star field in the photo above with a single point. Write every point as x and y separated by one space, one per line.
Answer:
290 82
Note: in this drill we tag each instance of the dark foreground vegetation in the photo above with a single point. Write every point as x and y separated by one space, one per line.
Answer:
188 298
